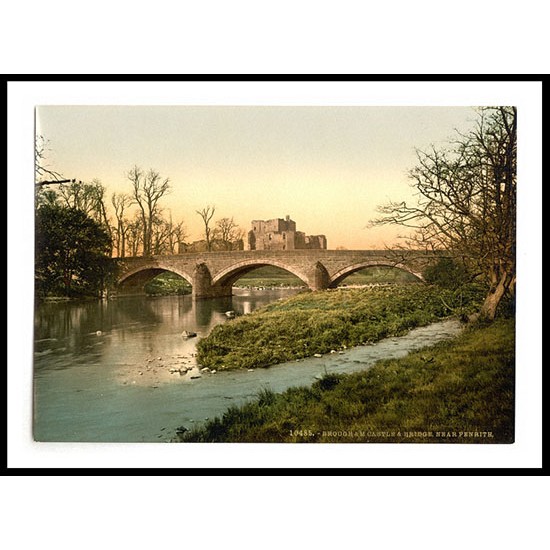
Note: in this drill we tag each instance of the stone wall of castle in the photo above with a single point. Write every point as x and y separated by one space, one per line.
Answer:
279 234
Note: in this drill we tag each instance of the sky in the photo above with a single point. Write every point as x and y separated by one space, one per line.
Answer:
328 168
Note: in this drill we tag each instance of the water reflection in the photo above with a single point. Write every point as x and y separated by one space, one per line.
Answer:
92 357
68 334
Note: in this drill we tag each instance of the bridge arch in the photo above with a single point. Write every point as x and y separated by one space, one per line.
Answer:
231 274
133 281
340 275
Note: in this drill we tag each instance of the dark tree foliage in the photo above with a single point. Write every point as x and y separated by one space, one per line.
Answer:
447 273
72 255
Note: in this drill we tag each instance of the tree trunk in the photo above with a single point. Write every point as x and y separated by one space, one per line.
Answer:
489 308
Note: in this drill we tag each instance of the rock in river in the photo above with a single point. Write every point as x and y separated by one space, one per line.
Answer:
188 334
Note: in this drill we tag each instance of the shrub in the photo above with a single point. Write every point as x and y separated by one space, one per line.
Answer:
447 273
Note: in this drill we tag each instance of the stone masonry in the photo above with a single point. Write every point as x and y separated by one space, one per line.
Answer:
279 234
212 274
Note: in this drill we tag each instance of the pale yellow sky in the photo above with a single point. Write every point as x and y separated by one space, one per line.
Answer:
326 167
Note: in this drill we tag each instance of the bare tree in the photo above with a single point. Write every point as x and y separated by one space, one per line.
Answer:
100 212
147 189
120 202
206 214
177 234
78 195
134 235
467 203
167 235
161 229
42 174
228 232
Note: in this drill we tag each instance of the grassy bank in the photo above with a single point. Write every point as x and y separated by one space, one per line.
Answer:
316 323
167 284
461 391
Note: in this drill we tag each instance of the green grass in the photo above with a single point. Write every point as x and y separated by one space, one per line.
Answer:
269 277
378 274
319 322
167 284
459 391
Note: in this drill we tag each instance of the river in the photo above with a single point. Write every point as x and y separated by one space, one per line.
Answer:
105 371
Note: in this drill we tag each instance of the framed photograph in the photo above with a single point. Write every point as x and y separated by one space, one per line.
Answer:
322 269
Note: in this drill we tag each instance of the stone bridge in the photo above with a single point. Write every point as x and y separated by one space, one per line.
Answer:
212 274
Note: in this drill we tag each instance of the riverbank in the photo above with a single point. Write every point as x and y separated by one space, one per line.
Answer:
311 324
460 391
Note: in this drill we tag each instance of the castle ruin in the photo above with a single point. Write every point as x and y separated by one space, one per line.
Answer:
279 234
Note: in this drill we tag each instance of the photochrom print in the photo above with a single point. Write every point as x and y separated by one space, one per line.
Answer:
276 274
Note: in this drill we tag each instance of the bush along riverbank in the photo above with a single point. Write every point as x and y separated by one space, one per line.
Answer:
459 391
320 322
